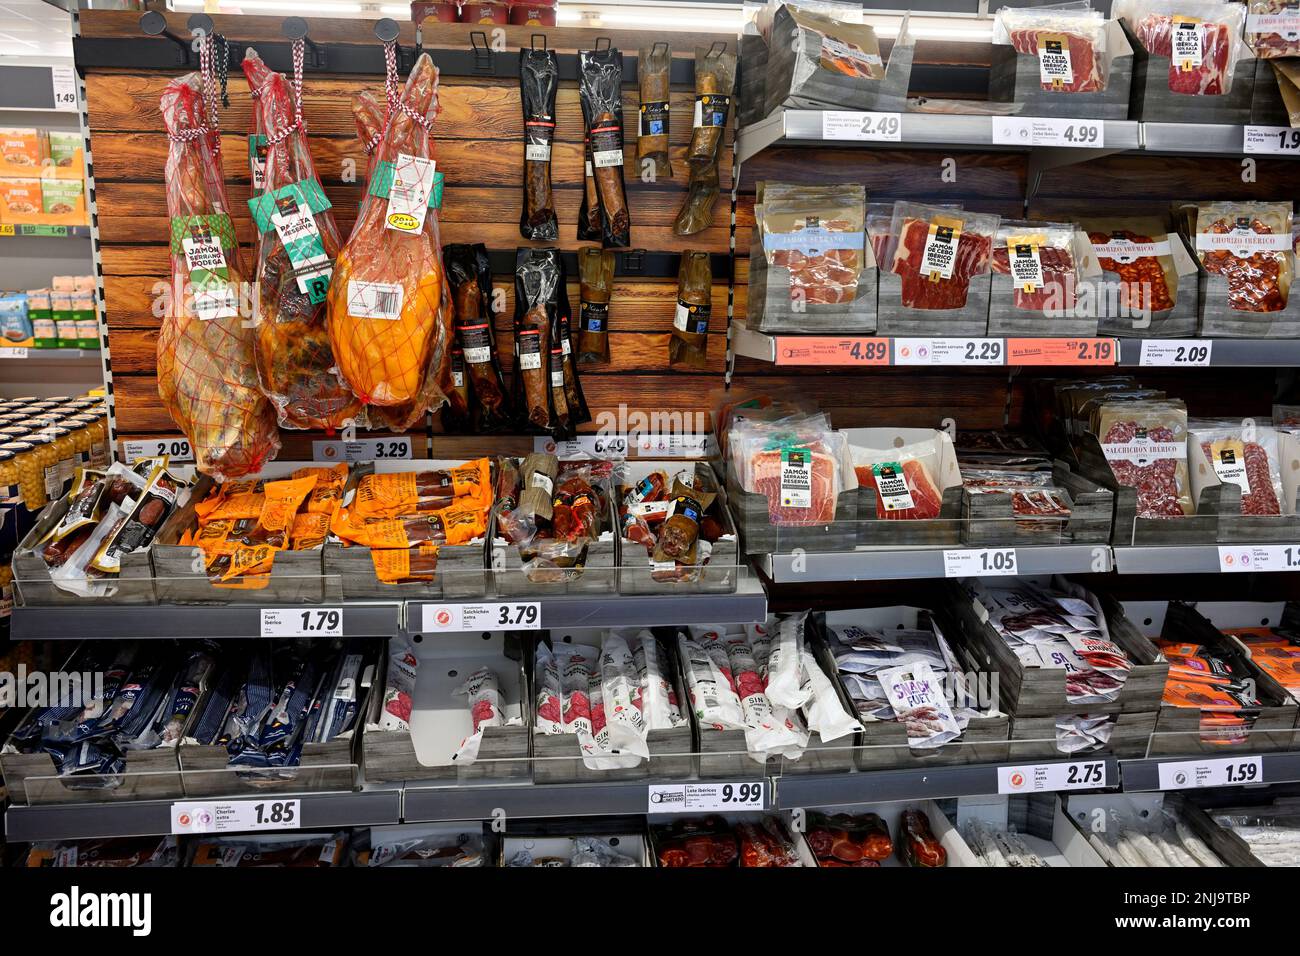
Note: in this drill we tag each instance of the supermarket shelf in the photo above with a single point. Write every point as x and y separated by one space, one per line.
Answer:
615 798
50 355
12 231
1227 353
1204 139
929 783
79 821
798 127
903 564
748 604
99 622
1144 775
1169 559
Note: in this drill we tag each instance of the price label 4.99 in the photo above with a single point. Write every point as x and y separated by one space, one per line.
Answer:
705 797
1044 131
980 563
302 622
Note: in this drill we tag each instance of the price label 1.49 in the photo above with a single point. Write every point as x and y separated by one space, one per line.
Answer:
1176 353
512 616
1050 777
980 563
705 797
1277 140
236 816
1236 558
1218 772
878 127
178 450
302 622
367 449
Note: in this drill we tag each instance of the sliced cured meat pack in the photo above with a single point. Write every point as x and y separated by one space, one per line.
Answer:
818 233
1039 257
1250 246
1201 38
1069 44
938 252
1145 443
1247 457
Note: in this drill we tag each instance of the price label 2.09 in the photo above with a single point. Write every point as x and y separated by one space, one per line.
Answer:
178 450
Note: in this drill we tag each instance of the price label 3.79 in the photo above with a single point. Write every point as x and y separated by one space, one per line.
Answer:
1050 777
513 616
1219 772
302 622
705 797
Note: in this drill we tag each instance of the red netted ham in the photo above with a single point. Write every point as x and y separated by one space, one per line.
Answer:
207 376
1191 73
926 497
924 242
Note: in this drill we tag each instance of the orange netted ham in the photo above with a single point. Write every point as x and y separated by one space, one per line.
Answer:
207 376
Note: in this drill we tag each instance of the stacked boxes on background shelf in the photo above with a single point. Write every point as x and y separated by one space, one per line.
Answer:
41 177
64 316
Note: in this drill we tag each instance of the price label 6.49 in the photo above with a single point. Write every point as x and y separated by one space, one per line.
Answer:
302 622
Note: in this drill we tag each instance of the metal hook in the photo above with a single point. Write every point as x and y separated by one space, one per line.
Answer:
295 28
484 58
602 43
661 45
718 48
154 24
536 36
634 262
387 31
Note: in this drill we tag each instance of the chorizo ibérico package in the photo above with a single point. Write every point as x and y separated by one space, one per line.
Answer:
938 251
1137 254
469 277
1250 246
207 372
539 74
390 313
538 274
297 244
600 87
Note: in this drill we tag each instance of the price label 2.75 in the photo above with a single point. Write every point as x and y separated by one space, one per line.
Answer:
1050 777
302 622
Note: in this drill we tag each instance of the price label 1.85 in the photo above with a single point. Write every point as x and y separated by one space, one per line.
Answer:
236 816
302 622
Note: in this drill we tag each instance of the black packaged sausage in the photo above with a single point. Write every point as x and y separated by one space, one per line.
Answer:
600 87
589 209
537 275
469 278
573 396
539 72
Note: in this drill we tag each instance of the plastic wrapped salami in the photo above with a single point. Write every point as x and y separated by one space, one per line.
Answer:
596 275
937 251
578 667
469 276
1250 246
297 244
654 74
1039 257
786 686
1145 444
537 277
390 313
1069 41
824 712
483 694
589 208
539 74
708 675
1246 456
207 371
690 338
1202 38
768 730
550 698
622 739
399 685
715 78
1273 28
601 91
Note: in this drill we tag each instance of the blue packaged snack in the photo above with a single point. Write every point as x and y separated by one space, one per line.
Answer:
15 325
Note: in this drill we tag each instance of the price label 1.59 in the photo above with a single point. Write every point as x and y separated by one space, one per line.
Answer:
510 616
302 622
705 797
1218 772
1050 777
1176 353
980 562
236 816
1278 140
1235 558
879 127
178 450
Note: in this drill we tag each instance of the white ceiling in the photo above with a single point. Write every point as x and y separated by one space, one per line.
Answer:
34 30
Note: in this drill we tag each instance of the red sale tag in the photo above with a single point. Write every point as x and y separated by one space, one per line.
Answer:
831 350
1062 352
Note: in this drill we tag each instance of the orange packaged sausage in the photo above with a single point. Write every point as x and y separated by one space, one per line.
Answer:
454 525
328 493
412 492
281 500
404 565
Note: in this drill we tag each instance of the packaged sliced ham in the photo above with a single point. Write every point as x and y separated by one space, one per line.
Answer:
1068 40
1273 28
207 370
902 478
818 233
1202 38
296 248
1249 244
937 251
795 462
1246 456
1039 258
1145 444
390 312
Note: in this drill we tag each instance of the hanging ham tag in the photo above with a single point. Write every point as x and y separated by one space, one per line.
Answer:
408 197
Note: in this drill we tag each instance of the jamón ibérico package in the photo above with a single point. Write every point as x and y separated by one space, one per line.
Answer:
938 251
1202 38
390 312
1039 257
1069 43
297 244
207 376
1273 28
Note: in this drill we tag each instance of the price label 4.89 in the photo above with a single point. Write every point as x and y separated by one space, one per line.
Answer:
302 622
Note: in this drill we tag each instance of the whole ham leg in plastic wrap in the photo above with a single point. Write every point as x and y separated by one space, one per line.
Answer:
295 362
207 376
390 314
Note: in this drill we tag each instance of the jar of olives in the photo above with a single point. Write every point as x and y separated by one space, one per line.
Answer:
31 480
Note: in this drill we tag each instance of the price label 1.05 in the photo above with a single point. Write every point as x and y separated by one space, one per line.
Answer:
980 562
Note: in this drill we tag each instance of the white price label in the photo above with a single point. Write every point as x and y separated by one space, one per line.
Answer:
1281 140
705 797
178 450
13 353
516 615
614 447
1218 772
949 352
302 622
1043 131
368 449
879 127
63 80
1176 353
980 563
236 816
1041 778
1256 557
673 446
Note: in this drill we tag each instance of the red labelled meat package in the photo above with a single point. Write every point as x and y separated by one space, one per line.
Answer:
1069 42
1145 443
937 253
1248 245
1202 38
207 371
1247 456
1039 257
794 462
390 314
297 244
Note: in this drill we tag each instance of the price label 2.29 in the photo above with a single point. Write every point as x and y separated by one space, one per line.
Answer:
1219 772
980 562
513 616
1050 777
178 450
236 816
704 797
302 622
1173 353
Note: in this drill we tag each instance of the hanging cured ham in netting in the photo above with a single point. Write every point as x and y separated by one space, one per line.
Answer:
390 314
207 376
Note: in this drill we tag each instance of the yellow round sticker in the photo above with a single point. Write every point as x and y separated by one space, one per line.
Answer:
404 221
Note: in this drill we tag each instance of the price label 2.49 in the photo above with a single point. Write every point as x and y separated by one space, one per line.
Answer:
302 622
880 127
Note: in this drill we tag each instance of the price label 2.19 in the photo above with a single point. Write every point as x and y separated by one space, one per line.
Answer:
1050 777
704 797
980 562
511 616
302 622
178 450
878 127
236 816
1219 772
1173 353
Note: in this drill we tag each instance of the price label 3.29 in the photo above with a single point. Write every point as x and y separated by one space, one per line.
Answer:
1219 772
980 563
236 816
844 124
1176 353
513 616
1270 557
367 449
1050 777
302 622
704 797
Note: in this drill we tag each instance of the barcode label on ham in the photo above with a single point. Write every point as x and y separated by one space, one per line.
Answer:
1054 67
374 300
408 199
796 478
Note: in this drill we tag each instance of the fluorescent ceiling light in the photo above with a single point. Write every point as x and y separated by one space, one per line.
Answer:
681 20
272 6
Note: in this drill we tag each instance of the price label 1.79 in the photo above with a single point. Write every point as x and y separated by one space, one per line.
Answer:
367 449
1277 140
980 563
1050 777
302 622
705 797
178 450
511 616
236 816
1176 353
1217 772
878 127
1236 558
